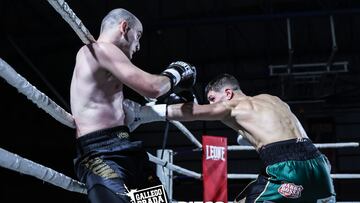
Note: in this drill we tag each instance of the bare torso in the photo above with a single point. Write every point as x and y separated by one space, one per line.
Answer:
264 119
96 95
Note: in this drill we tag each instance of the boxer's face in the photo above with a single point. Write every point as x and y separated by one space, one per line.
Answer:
132 39
223 95
134 36
214 96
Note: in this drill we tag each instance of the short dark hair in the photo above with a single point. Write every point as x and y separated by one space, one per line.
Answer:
117 15
221 81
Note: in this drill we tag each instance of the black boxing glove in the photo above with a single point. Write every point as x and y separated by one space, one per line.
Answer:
184 96
176 98
181 74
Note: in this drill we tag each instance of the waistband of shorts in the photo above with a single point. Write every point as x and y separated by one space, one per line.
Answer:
102 138
293 149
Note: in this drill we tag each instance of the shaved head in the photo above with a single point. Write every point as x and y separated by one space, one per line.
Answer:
114 17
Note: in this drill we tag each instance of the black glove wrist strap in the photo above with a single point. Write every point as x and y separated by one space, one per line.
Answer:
166 132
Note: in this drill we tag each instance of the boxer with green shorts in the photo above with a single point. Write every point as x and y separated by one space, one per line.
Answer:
294 170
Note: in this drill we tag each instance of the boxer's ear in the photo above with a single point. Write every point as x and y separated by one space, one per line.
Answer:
229 93
124 27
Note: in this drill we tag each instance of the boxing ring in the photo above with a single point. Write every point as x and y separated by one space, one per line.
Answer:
22 165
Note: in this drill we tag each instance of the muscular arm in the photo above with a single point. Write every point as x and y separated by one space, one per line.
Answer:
192 112
115 61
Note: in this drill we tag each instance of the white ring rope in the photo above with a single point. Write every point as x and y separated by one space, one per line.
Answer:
337 145
334 176
346 176
70 17
14 162
187 133
320 146
174 167
33 94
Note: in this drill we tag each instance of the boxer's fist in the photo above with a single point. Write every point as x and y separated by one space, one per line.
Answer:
181 74
176 98
135 114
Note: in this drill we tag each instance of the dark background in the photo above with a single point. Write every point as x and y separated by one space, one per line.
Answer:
242 38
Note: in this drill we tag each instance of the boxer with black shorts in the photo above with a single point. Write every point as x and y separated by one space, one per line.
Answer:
108 159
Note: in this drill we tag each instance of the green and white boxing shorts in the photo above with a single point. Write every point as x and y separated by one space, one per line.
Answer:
294 171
